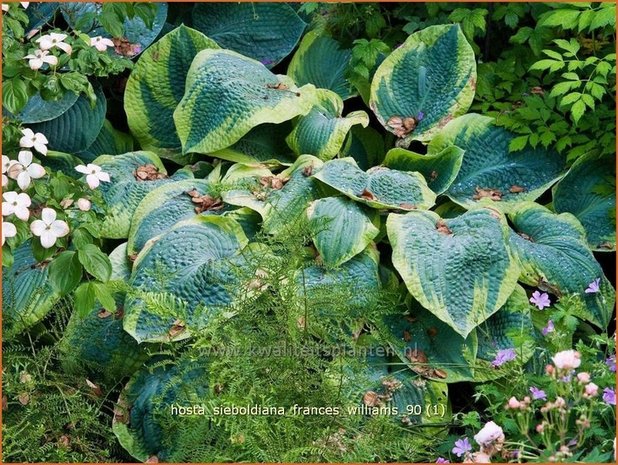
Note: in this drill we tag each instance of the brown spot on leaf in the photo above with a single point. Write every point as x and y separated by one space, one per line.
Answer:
177 327
96 390
205 202
491 194
442 227
438 373
391 385
148 172
308 170
24 398
104 314
432 332
274 182
514 189
152 459
433 175
5 402
368 195
537 90
278 86
64 441
444 121
416 356
402 126
133 257
125 48
525 236
407 206
410 318
606 245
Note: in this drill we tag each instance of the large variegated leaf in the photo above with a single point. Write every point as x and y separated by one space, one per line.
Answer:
425 83
121 265
76 128
143 409
27 295
588 191
489 173
321 61
110 141
460 269
553 255
181 279
127 188
440 169
365 145
323 130
156 87
227 94
266 32
280 199
379 187
165 206
341 228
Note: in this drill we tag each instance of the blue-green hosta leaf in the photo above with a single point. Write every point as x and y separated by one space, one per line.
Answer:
321 61
127 188
183 278
167 205
76 128
38 110
379 187
588 191
98 341
323 130
553 255
156 87
121 265
227 95
27 294
266 32
340 228
110 141
489 174
280 199
418 339
440 169
425 83
509 328
365 145
263 144
460 269
39 13
141 414
63 162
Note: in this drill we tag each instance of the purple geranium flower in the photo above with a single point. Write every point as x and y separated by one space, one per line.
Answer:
442 460
537 393
611 363
503 356
609 396
540 300
461 447
593 287
420 116
549 328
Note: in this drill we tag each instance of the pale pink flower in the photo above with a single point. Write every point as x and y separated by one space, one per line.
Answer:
48 228
489 434
8 230
25 171
30 139
583 377
5 7
84 204
513 403
39 57
101 43
591 390
567 360
16 204
94 174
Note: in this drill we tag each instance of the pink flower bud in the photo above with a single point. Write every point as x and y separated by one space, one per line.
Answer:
591 390
540 427
84 204
513 403
583 377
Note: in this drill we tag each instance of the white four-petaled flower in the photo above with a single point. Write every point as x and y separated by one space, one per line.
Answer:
101 43
30 139
6 164
36 60
17 204
94 174
48 228
8 230
53 39
24 171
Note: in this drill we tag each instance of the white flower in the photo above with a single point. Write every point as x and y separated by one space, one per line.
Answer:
84 204
567 360
30 139
8 230
48 228
489 434
101 43
36 60
24 4
17 204
49 41
25 171
6 164
5 7
93 173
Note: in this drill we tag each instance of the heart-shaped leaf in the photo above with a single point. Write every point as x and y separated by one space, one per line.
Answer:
365 145
425 83
227 95
460 269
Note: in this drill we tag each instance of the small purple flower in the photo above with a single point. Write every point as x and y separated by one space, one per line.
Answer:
537 393
549 328
442 460
567 378
611 363
461 447
594 287
266 62
503 356
540 300
609 396
420 116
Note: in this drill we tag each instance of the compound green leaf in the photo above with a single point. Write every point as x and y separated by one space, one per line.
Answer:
340 228
156 87
321 61
439 169
425 83
553 255
227 95
182 278
379 187
27 294
489 174
588 191
322 132
266 32
126 190
460 269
